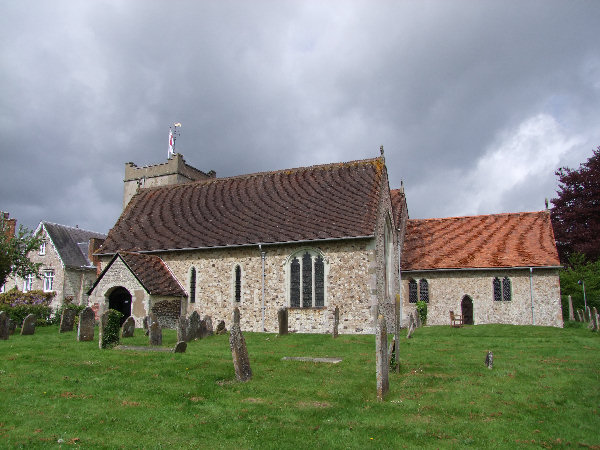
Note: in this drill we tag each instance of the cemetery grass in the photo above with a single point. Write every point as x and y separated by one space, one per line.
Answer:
542 391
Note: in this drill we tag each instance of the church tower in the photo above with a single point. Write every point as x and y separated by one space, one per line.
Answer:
174 171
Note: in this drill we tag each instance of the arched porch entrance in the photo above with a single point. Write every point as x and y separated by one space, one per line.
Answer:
466 307
120 300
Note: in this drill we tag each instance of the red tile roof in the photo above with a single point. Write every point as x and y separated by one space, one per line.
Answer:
311 203
488 241
398 205
151 271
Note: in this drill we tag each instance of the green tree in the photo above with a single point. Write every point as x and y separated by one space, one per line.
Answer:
586 271
14 251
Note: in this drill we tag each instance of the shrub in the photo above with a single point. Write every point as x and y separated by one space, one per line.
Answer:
111 331
19 305
66 305
422 310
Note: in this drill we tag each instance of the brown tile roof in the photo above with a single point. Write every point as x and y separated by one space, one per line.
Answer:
151 271
310 203
489 241
398 205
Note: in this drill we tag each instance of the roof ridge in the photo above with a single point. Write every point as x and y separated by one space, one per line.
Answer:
481 215
70 227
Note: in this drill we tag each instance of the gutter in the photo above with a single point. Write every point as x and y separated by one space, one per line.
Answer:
463 269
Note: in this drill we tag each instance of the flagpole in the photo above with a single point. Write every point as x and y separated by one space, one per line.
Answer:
173 133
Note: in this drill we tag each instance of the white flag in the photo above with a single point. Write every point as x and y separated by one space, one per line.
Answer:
171 145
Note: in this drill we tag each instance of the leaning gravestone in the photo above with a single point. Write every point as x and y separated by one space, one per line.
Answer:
180 347
67 320
221 328
3 325
239 352
489 360
182 325
282 319
194 327
208 326
155 333
383 366
128 327
336 321
579 315
85 329
12 326
28 326
588 314
594 319
411 326
571 314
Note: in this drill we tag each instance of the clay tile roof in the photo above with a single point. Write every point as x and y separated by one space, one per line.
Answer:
488 241
311 203
398 205
152 273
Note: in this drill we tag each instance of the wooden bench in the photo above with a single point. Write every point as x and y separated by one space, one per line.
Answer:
456 320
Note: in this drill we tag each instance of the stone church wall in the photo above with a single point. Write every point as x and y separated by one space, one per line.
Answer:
447 288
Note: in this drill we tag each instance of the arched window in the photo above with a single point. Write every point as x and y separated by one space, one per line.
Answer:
497 289
237 284
412 291
506 289
193 285
307 275
424 290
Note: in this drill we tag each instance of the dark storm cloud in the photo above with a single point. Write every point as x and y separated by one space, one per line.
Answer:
476 103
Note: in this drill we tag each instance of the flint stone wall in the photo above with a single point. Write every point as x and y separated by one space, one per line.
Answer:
447 288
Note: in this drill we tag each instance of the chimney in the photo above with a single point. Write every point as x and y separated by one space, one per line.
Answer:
9 224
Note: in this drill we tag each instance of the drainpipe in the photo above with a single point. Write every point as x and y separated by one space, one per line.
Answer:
531 293
262 306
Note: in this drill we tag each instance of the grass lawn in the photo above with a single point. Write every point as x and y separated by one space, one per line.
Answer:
544 390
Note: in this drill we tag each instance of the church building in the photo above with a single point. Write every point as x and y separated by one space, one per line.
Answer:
312 239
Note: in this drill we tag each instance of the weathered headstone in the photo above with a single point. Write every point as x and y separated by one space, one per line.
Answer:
155 334
336 321
239 352
383 366
128 327
282 320
67 320
194 326
221 328
571 313
411 326
182 327
148 320
580 315
208 326
145 325
180 347
202 330
101 325
588 314
12 326
28 326
85 329
3 325
594 319
489 360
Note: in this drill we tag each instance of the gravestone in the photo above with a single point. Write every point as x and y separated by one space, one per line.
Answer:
148 320
336 321
180 347
202 330
128 327
411 326
282 319
221 327
3 325
571 313
194 326
182 327
580 315
67 320
145 321
594 319
101 325
28 326
489 360
239 352
383 366
208 326
155 333
588 314
12 326
85 329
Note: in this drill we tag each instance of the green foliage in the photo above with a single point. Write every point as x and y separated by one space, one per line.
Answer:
422 310
589 273
19 305
14 251
66 305
540 393
111 332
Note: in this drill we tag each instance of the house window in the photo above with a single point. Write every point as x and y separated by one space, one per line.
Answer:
2 288
506 289
48 280
497 289
424 290
238 284
307 279
193 285
412 291
43 248
28 283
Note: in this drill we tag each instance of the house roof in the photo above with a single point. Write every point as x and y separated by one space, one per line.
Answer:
488 241
150 270
398 205
71 243
330 201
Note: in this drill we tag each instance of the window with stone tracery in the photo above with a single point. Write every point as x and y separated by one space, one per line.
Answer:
424 290
307 279
506 289
413 296
193 285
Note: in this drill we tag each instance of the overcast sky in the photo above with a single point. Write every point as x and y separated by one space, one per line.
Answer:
476 103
